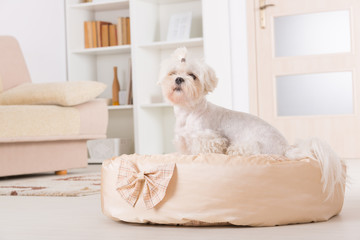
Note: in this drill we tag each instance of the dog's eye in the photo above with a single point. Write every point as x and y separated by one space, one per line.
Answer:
192 75
172 73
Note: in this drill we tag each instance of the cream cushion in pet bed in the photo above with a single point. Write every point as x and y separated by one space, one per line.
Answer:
206 189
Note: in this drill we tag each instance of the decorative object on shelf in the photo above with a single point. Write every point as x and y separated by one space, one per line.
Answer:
123 98
102 149
87 1
115 88
179 26
129 85
108 101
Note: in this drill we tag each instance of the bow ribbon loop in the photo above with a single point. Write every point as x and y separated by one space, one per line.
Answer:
140 176
154 182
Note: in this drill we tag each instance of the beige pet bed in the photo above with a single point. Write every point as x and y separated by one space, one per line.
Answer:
214 189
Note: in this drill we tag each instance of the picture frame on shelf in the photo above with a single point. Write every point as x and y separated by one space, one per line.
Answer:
179 26
123 97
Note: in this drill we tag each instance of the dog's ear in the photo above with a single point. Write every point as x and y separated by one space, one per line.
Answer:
180 54
210 79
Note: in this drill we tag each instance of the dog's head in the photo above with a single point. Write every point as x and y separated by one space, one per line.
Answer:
184 80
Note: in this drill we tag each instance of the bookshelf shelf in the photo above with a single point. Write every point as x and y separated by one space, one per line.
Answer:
104 50
156 105
120 107
102 6
194 42
167 1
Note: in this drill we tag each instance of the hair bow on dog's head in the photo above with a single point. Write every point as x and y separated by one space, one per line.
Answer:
180 54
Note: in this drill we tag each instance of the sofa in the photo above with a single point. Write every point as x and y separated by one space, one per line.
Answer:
44 127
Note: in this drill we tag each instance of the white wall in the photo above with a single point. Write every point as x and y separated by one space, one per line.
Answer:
239 55
39 26
217 51
225 48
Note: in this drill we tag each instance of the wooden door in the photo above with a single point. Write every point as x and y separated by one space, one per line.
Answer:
306 78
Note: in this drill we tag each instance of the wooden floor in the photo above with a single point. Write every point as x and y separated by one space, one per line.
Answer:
81 218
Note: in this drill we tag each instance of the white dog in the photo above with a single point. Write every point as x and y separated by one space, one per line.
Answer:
202 127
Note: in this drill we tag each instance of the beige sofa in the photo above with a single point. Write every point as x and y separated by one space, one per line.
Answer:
42 138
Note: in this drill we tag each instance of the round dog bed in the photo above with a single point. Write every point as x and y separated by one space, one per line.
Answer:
211 189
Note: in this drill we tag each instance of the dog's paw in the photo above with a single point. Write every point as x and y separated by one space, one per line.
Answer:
207 141
245 149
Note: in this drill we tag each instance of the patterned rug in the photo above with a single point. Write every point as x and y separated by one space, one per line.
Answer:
70 185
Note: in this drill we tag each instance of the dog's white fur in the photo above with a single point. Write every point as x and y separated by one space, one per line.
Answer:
202 127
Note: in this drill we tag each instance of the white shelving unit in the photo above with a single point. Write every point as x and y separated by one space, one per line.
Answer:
96 64
150 121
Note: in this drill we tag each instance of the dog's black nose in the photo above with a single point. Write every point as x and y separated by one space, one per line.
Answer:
179 80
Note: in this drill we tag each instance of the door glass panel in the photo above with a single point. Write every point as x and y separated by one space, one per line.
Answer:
311 34
315 94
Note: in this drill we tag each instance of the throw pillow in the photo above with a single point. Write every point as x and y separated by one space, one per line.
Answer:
60 93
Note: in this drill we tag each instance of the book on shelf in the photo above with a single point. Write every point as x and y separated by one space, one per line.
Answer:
94 35
104 34
123 31
112 35
100 34
119 32
88 34
128 39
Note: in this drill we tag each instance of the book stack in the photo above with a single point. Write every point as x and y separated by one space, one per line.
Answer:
105 34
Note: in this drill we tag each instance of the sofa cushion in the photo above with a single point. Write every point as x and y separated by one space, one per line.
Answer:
60 93
24 123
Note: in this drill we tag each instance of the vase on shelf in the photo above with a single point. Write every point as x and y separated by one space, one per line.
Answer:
115 88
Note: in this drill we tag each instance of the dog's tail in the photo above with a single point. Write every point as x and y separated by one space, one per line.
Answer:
333 169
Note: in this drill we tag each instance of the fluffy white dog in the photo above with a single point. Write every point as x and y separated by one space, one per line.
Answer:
202 127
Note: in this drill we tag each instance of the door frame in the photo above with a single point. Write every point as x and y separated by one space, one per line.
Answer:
251 7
